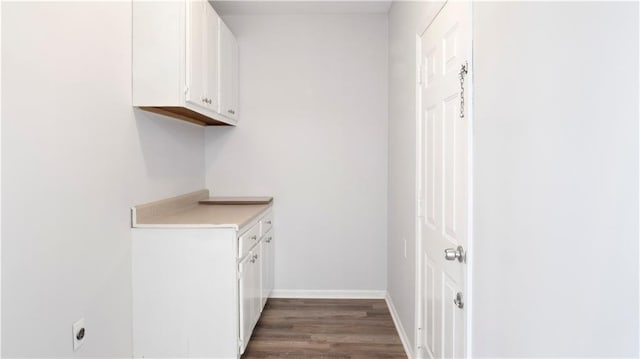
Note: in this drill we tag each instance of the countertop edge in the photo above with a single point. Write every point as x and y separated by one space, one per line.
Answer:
164 207
186 226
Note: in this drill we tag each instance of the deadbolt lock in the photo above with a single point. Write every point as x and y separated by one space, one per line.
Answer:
458 300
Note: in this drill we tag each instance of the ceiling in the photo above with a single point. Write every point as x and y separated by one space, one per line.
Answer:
242 7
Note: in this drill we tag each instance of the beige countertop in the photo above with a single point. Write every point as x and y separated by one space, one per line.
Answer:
186 211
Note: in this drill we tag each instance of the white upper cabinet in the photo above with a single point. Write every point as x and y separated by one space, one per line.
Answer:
228 73
181 67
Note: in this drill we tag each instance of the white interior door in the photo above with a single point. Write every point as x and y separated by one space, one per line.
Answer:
443 181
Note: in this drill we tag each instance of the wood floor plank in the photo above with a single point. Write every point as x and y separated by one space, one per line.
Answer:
325 329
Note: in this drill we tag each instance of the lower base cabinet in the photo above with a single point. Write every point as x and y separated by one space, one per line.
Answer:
249 278
192 297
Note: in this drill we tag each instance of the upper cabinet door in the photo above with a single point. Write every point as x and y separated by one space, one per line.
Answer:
228 73
196 51
211 62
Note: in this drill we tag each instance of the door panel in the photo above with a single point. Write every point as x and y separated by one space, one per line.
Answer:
450 48
443 181
431 152
432 344
430 64
450 125
451 315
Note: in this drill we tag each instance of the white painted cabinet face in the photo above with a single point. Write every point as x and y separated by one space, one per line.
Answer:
202 55
250 291
177 61
211 292
228 73
246 284
255 274
196 53
256 292
268 265
212 58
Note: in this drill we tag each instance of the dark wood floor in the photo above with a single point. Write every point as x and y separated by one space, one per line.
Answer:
325 329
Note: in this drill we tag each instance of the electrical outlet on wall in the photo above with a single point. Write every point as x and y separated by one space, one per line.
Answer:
79 333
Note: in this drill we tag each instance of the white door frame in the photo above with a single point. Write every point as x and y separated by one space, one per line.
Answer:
468 292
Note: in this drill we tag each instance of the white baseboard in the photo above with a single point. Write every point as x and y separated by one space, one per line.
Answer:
328 294
401 332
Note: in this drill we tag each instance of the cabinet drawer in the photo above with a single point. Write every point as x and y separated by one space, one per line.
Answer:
266 223
248 240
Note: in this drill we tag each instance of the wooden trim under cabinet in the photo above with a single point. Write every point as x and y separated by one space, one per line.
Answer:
185 114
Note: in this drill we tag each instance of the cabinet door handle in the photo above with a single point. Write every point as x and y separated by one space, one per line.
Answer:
254 237
268 222
269 240
231 112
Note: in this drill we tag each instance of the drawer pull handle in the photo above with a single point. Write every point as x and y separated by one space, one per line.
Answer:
268 222
254 237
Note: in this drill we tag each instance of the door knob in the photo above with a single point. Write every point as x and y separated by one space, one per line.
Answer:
451 254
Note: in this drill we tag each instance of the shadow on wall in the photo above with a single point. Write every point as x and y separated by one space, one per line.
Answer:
166 140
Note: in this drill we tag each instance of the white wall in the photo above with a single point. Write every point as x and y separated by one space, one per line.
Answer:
75 157
406 20
313 134
556 179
